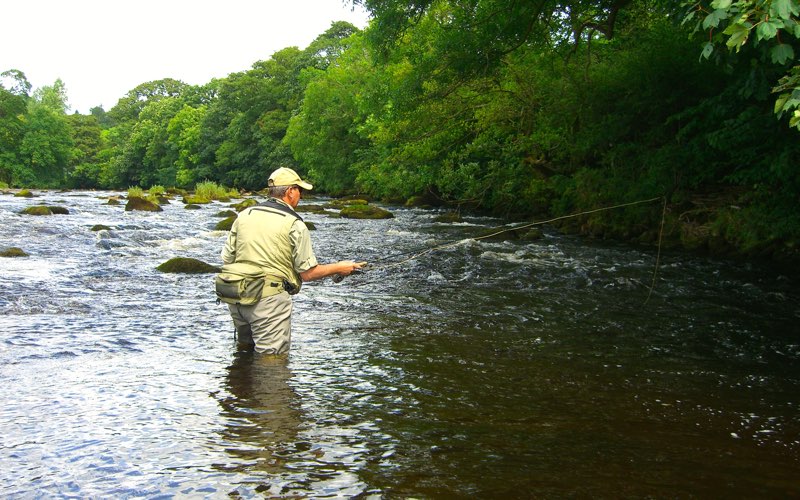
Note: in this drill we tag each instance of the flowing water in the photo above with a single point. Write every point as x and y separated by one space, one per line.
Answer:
490 369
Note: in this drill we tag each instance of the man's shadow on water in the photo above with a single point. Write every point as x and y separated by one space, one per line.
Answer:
262 414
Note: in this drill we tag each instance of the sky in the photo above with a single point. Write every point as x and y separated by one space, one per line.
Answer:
101 49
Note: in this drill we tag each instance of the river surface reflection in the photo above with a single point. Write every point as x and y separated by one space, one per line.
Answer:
487 369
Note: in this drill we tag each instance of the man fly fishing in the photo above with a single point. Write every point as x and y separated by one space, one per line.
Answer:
273 238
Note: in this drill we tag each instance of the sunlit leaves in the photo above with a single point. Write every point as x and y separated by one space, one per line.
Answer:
781 54
708 49
714 18
784 9
737 36
771 25
767 30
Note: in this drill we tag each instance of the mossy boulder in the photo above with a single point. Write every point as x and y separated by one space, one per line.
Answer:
196 200
58 210
250 202
509 234
450 217
532 234
345 202
192 206
426 200
185 265
311 208
225 213
136 203
13 252
37 210
310 225
100 227
114 201
365 212
225 224
24 193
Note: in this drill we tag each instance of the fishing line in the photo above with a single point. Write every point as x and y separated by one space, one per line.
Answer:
415 254
658 253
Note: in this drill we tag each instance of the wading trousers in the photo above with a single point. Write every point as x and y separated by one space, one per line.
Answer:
265 326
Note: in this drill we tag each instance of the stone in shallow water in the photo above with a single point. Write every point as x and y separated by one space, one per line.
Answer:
13 252
186 265
135 203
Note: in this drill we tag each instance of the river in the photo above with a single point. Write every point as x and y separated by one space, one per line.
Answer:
489 369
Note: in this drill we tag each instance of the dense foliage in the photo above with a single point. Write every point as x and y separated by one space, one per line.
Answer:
523 109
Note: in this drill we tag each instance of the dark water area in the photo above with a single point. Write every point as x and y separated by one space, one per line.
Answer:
496 369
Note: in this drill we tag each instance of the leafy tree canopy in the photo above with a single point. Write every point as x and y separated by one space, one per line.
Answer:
767 31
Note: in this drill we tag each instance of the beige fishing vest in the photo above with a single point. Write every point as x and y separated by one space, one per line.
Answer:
262 238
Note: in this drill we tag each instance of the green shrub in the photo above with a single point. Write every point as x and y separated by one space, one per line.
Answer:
212 191
135 192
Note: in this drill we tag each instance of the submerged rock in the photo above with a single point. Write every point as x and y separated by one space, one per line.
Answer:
365 212
250 202
100 227
311 208
58 210
185 265
136 203
450 217
24 193
225 224
13 252
192 206
510 234
343 202
196 200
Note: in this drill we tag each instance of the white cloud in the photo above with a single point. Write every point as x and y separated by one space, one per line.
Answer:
101 49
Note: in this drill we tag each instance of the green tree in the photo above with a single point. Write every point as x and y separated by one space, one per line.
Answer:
330 45
148 157
53 97
88 141
47 147
184 135
14 90
244 126
766 31
128 107
325 134
102 117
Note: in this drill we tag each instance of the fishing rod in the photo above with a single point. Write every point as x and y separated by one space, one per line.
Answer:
415 254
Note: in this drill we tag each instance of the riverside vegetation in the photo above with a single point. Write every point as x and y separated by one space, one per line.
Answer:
523 110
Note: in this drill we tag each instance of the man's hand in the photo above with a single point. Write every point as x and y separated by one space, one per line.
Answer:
350 267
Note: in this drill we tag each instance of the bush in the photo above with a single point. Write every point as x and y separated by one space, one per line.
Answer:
212 191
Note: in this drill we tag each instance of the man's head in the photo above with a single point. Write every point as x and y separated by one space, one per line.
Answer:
287 177
281 182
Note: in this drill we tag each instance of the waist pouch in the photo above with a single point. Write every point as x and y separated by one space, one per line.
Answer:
245 284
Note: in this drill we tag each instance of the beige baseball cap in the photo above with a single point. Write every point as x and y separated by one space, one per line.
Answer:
287 177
